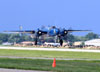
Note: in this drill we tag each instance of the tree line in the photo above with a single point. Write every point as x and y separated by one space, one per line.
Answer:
20 38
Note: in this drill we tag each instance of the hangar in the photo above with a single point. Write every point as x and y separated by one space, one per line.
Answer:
93 42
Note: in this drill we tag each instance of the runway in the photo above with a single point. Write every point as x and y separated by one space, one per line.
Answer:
50 49
17 70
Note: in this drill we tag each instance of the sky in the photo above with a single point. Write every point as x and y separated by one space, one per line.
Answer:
32 14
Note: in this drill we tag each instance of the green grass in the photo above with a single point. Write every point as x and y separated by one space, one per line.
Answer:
50 54
46 65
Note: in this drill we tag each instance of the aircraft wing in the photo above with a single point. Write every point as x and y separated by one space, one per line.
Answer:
26 31
78 30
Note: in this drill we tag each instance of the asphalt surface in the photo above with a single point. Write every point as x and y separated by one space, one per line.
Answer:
49 49
16 70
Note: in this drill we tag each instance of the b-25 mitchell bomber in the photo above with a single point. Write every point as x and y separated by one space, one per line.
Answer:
51 31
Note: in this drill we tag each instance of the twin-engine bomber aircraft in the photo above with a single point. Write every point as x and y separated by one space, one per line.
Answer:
51 31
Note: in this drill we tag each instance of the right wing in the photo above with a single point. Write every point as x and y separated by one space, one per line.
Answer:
26 31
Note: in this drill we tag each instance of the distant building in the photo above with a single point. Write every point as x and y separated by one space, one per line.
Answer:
94 42
77 43
25 43
7 43
52 44
65 43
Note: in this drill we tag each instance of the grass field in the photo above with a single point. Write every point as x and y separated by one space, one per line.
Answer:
46 65
50 54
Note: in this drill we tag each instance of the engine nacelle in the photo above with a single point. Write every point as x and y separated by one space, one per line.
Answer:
65 32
